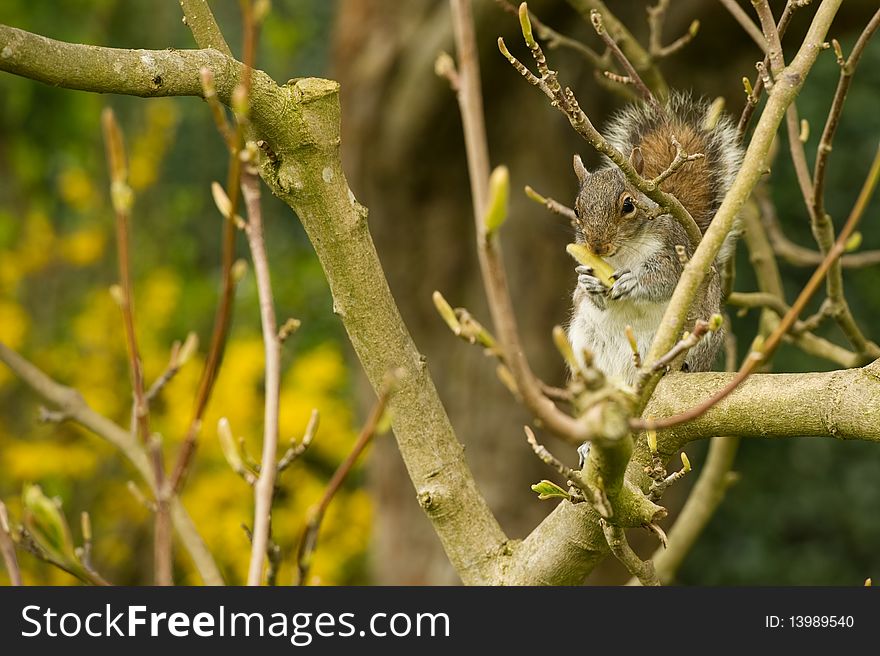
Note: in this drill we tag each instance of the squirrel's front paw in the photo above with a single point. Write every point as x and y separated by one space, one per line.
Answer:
624 283
590 283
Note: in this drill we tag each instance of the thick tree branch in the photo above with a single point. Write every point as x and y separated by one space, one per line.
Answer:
843 404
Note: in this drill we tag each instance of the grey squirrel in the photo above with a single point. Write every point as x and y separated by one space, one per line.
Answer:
611 220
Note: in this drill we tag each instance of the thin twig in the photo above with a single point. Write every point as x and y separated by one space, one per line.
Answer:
7 548
84 574
489 249
264 487
643 570
309 539
641 59
626 65
296 449
556 40
656 20
745 22
681 158
596 497
121 195
180 355
823 150
553 205
681 347
758 86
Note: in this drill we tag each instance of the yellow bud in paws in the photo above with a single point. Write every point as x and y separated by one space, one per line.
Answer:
601 269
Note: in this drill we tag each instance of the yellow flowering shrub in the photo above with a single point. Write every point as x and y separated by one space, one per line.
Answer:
55 308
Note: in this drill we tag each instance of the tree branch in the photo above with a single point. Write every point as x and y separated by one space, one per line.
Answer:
309 538
200 19
843 404
745 22
7 548
643 570
71 403
641 59
705 497
494 276
264 488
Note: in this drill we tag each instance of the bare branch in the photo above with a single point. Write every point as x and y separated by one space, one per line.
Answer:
556 40
631 73
745 22
297 449
553 205
772 45
200 20
309 539
7 548
823 150
641 59
264 488
656 19
121 195
643 570
753 91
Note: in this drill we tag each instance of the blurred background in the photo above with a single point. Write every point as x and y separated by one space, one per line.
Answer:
803 511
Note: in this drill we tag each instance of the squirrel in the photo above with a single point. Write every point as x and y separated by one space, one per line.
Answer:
614 221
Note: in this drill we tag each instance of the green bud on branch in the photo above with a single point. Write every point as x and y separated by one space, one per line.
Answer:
499 195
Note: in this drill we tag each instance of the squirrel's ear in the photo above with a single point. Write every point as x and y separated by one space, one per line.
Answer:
636 159
580 170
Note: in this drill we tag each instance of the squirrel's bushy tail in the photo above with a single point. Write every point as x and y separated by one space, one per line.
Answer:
700 185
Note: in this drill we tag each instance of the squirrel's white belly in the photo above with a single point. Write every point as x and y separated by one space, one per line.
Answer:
603 333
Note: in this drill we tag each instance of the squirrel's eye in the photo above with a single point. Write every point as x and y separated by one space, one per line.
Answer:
576 213
628 206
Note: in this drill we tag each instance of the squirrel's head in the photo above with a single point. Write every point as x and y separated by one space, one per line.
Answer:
607 209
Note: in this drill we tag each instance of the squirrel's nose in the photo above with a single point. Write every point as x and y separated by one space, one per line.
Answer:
599 248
